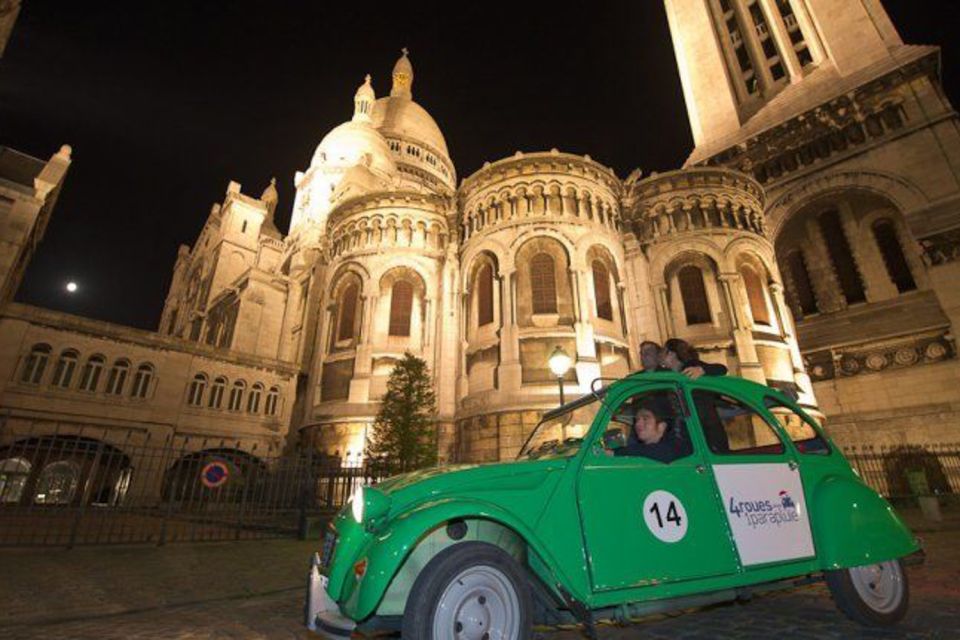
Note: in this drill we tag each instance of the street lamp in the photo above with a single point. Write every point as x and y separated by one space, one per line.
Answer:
559 363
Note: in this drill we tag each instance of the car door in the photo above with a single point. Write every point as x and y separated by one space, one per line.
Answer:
759 484
646 521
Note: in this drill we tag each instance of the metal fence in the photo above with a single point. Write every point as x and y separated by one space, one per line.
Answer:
100 486
905 471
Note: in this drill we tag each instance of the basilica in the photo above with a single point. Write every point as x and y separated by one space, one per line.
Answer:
811 242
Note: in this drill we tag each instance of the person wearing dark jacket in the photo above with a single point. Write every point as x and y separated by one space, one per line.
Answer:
678 355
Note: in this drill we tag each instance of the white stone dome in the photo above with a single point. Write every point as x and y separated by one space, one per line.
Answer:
354 143
400 116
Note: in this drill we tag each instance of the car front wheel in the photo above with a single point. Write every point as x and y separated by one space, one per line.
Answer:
875 594
470 591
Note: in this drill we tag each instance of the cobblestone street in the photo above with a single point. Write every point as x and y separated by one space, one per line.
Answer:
255 590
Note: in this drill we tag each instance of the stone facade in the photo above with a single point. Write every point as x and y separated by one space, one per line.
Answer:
810 243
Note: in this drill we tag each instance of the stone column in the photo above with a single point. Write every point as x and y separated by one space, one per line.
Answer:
509 372
778 30
731 286
664 316
820 269
587 365
788 331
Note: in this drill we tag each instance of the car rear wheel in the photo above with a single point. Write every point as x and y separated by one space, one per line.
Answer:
875 594
470 591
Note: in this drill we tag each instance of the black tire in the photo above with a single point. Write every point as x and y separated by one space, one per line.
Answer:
441 572
880 608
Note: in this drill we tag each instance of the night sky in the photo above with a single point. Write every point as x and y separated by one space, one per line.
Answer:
165 102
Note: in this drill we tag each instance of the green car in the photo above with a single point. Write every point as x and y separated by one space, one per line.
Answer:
656 492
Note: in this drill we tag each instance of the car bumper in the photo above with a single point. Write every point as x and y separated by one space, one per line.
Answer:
322 612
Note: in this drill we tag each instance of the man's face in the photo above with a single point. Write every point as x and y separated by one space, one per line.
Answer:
650 357
648 429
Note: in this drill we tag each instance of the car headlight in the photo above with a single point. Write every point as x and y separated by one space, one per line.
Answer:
356 505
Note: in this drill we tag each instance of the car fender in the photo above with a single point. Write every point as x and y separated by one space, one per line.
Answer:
854 526
387 551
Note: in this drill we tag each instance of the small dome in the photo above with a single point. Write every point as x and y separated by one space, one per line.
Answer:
354 143
405 118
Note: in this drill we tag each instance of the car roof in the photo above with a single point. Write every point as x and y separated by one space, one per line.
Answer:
734 385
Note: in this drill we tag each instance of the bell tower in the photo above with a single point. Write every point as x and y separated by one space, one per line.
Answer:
737 57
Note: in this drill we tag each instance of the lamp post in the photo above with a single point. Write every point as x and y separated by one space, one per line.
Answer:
559 363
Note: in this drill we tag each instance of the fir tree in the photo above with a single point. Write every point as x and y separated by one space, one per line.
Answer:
404 434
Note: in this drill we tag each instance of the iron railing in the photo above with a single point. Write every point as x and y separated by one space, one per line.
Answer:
903 471
98 486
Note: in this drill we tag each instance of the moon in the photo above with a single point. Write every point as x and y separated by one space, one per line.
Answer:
71 287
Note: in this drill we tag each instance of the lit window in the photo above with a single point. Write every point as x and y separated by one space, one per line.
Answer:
141 381
543 284
63 372
57 483
14 473
601 288
348 312
401 306
36 364
197 386
484 286
253 400
216 393
755 295
236 396
90 376
117 377
273 399
694 295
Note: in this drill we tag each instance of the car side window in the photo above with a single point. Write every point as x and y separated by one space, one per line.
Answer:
649 425
732 427
802 432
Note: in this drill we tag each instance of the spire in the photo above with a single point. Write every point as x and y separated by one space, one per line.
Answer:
402 77
269 196
363 101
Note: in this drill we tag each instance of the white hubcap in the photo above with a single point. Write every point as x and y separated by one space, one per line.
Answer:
879 585
480 603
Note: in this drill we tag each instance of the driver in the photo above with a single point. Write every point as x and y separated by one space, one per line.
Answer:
648 438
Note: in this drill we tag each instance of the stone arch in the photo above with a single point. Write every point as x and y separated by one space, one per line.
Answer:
531 252
663 255
686 306
903 193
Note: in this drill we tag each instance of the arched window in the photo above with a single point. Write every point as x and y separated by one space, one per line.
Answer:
117 377
543 284
800 287
841 256
13 478
57 483
36 364
197 386
601 288
696 307
756 295
253 400
141 381
273 399
90 376
216 392
63 372
236 396
401 306
348 312
484 287
889 244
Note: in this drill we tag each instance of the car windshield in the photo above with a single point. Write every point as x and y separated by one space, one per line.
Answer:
560 435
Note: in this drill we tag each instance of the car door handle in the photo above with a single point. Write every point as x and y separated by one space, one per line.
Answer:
793 465
700 468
